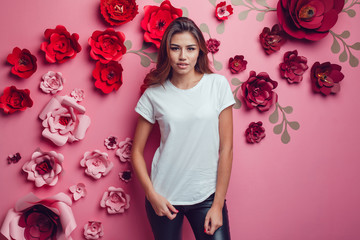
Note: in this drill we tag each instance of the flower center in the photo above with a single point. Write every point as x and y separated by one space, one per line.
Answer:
323 77
119 8
236 64
64 120
222 10
160 24
23 61
115 198
43 167
111 75
306 13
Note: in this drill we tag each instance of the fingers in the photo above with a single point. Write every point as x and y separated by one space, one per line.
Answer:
207 225
171 211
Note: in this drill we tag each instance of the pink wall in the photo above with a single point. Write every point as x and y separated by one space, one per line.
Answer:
304 190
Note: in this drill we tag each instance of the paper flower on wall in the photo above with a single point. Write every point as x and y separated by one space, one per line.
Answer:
52 82
78 94
34 218
60 46
310 20
108 76
124 151
14 158
107 45
293 67
44 167
223 11
64 120
255 132
126 175
237 64
14 99
78 191
118 12
157 19
96 163
93 230
325 77
213 45
271 41
111 142
258 92
24 63
115 200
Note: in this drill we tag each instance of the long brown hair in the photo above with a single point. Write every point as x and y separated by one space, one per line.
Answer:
163 68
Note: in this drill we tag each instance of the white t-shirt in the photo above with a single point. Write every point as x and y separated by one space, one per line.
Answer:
184 167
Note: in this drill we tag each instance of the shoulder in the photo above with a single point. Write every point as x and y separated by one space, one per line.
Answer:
215 78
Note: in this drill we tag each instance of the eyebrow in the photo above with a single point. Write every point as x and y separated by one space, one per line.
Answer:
190 45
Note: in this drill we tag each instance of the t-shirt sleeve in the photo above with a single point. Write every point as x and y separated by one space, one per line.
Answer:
226 97
145 108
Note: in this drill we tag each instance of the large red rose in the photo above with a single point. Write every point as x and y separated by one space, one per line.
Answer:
60 46
14 99
107 45
157 19
307 19
108 76
118 12
24 63
325 77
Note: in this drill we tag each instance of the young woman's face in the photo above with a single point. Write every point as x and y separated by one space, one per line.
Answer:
184 52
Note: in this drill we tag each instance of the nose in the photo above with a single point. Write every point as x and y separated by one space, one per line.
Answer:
182 55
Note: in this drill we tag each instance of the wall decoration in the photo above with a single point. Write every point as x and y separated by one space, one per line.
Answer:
78 191
93 230
14 99
115 200
97 164
52 82
118 12
24 63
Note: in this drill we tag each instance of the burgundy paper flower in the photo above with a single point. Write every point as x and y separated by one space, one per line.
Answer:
223 11
108 76
157 19
212 45
293 67
111 142
33 218
78 191
118 12
124 151
60 46
311 20
24 63
14 158
93 230
97 164
255 132
271 41
125 175
78 94
258 92
325 77
52 82
14 99
115 200
107 45
237 64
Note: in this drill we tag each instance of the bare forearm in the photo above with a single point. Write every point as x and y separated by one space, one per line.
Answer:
141 173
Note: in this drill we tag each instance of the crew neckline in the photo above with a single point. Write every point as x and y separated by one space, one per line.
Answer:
188 89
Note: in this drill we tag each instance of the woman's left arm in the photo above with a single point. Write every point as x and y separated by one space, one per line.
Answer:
213 219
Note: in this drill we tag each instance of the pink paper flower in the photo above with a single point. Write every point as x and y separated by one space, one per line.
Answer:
125 175
64 120
124 151
78 191
52 82
14 158
34 218
255 132
293 67
96 163
223 11
115 200
213 45
78 94
111 142
44 167
93 230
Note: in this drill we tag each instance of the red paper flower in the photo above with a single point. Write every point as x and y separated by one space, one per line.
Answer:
14 99
272 40
107 45
311 20
325 77
60 46
237 64
108 76
258 92
14 158
213 45
223 11
24 63
255 132
157 19
293 67
118 12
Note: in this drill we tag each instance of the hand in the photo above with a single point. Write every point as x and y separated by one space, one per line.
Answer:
213 220
162 206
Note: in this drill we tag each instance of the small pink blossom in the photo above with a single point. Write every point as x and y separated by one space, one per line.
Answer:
78 94
223 11
14 158
125 175
212 45
78 191
111 142
124 151
96 163
52 82
93 230
115 200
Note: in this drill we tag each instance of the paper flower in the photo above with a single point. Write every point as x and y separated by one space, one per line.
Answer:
44 167
96 163
325 77
255 132
78 191
52 82
293 67
14 99
108 76
78 94
118 12
271 41
60 46
223 11
310 20
14 158
24 63
212 45
258 92
115 200
126 175
107 45
237 64
111 142
35 218
64 120
157 19
93 230
124 151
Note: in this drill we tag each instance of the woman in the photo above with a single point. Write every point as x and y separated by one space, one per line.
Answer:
191 168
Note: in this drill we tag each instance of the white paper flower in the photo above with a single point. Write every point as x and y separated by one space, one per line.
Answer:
78 191
124 151
93 230
115 200
96 163
52 82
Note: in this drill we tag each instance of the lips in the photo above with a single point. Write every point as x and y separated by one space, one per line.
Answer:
182 65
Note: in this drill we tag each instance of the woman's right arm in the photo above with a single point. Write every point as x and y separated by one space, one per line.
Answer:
161 206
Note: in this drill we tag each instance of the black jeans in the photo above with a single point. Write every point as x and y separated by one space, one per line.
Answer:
166 229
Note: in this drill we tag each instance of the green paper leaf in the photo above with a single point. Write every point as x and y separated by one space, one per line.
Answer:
343 56
237 104
354 62
217 65
237 2
260 16
128 44
204 28
274 117
278 128
285 137
351 13
249 2
213 2
235 82
220 28
152 55
145 45
145 62
185 11
262 3
158 1
345 34
355 46
335 47
288 109
243 15
294 125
